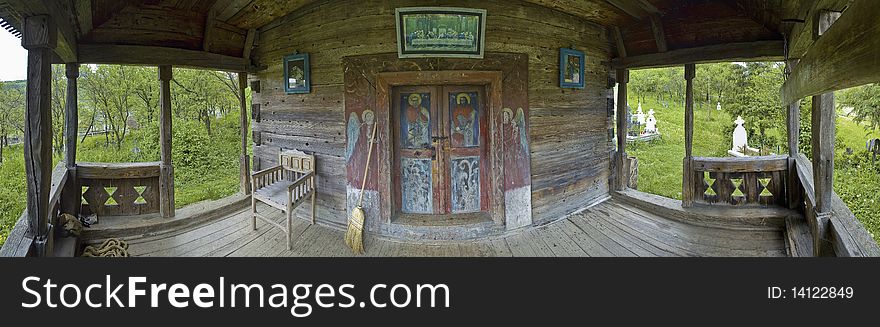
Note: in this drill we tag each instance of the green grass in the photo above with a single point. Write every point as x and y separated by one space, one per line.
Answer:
660 162
206 167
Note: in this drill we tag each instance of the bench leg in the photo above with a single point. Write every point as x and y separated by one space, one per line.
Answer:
313 206
254 212
289 225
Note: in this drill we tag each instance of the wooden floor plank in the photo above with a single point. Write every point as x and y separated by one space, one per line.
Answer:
588 226
611 228
499 245
640 246
560 243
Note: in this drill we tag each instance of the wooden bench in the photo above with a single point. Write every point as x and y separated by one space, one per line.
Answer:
284 187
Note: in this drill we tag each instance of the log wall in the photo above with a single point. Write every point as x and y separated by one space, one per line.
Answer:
569 137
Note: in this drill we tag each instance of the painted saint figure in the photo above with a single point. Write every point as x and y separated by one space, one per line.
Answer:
418 126
464 121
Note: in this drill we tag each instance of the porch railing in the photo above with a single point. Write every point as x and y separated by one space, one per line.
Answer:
738 181
119 189
847 236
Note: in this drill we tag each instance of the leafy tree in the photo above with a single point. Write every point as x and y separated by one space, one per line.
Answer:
865 101
757 100
11 112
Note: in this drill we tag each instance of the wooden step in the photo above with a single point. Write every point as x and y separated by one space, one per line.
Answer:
798 239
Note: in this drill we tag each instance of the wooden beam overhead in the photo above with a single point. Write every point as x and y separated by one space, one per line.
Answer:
209 30
637 8
844 56
157 56
801 34
249 44
83 10
618 37
659 35
748 51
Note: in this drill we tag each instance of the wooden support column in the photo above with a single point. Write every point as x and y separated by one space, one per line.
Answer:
166 175
823 125
793 129
823 119
70 200
245 161
687 189
620 164
39 39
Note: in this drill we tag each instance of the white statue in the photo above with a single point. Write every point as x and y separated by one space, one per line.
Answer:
718 107
651 124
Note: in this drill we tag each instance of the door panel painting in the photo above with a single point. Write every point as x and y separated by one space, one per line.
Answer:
465 176
464 121
417 187
415 124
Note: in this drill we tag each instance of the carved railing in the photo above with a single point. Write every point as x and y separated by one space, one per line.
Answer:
119 189
847 236
738 181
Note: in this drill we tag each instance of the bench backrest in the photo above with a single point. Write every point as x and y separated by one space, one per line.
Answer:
297 161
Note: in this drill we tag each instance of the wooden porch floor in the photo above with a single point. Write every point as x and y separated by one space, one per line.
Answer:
611 228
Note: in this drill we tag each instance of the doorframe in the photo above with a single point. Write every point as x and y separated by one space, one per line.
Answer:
385 82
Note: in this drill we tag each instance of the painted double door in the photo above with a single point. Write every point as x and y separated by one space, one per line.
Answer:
440 142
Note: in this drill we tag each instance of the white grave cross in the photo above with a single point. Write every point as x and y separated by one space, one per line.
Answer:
740 137
651 123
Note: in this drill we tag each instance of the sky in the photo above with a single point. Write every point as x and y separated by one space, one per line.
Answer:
13 58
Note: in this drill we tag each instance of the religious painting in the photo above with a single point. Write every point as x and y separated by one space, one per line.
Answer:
415 122
465 176
440 32
571 69
417 186
296 74
464 121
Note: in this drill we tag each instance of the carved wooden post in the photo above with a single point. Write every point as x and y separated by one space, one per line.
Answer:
622 80
166 176
70 202
823 121
245 160
687 172
793 122
39 39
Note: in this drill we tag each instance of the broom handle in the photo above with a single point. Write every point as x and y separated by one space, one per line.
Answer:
367 166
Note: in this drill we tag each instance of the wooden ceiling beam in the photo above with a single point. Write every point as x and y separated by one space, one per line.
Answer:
638 9
747 51
249 44
210 21
228 8
844 56
618 38
659 34
157 56
801 35
83 10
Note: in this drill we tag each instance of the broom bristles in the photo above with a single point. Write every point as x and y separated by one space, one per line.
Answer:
354 236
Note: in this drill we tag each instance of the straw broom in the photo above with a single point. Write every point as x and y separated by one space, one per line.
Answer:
354 236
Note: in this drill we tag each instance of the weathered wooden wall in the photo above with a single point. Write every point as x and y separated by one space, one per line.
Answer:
569 139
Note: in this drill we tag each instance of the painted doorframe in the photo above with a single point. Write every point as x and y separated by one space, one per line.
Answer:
385 82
